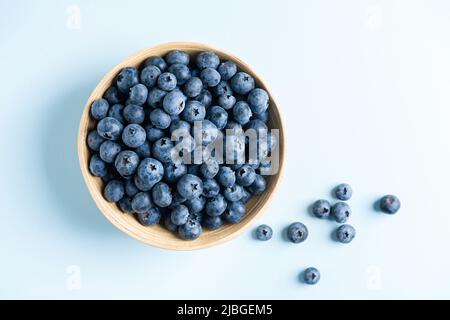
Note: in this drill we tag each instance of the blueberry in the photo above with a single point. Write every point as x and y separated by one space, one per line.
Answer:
114 190
153 133
179 125
209 133
179 214
226 177
242 83
343 192
144 150
191 230
177 56
138 94
133 135
99 109
169 224
126 163
207 59
155 97
233 193
162 194
157 62
258 99
245 176
162 150
149 75
160 119
127 78
218 116
125 205
94 140
116 112
222 88
109 128
264 117
226 101
194 111
209 168
97 166
321 208
212 223
134 114
257 125
210 188
297 232
205 98
109 150
389 204
210 77
264 232
227 70
141 202
345 233
235 212
174 102
241 112
341 212
215 206
167 81
196 204
112 95
311 276
193 87
181 72
149 218
258 186
174 171
190 186
130 188
149 172
245 196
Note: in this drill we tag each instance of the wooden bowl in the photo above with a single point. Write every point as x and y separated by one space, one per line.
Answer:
157 235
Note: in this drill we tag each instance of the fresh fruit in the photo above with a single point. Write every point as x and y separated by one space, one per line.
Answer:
389 204
343 192
264 232
321 209
311 276
345 233
341 212
297 232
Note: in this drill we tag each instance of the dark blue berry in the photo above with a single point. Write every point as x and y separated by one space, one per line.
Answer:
345 233
207 59
134 114
227 70
341 212
190 186
99 109
311 276
114 190
109 150
141 202
235 212
94 140
97 166
242 83
210 77
193 87
162 195
126 163
389 204
297 232
133 135
109 128
343 192
321 208
149 75
191 230
127 78
157 62
177 56
167 81
264 232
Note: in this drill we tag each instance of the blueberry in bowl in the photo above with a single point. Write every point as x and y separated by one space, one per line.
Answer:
161 116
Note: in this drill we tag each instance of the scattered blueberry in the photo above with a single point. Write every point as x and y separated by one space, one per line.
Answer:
389 204
345 233
341 212
264 232
297 232
321 208
343 192
311 276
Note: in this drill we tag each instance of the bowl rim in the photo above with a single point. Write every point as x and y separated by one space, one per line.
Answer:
83 149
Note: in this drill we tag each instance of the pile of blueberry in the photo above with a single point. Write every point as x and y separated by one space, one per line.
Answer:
144 171
340 212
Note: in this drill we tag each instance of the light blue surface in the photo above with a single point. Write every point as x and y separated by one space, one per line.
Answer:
364 87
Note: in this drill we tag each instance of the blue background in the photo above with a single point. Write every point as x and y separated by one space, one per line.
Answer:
364 87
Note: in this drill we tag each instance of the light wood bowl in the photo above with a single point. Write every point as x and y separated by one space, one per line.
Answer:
156 235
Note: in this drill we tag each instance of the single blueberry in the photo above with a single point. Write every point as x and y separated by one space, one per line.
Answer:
109 150
264 232
99 109
194 111
109 128
167 81
179 214
226 177
193 87
160 119
114 190
174 171
212 223
133 135
153 133
94 140
141 202
210 188
215 206
190 186
157 62
245 176
321 208
177 56
258 186
112 95
345 233
149 75
341 212
218 116
258 99
181 72
242 112
233 193
144 150
125 205
97 166
127 78
227 70
389 204
222 88
126 163
191 230
149 218
149 172
205 98
134 114
162 194
311 276
210 77
207 59
155 97
130 188
116 112
196 204
235 212
343 192
297 232
226 101
162 150
138 94
209 168
174 102
242 83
